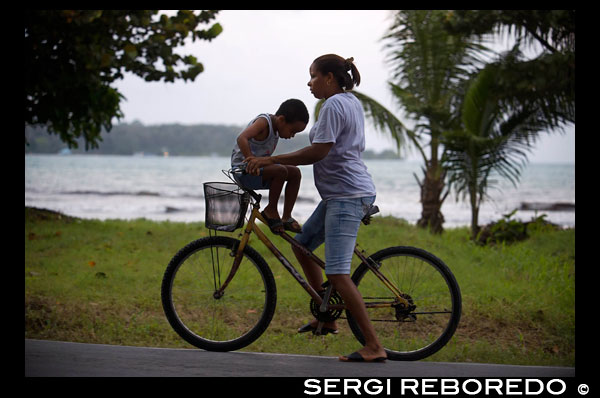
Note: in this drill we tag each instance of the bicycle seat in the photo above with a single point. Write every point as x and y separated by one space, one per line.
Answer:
370 211
234 173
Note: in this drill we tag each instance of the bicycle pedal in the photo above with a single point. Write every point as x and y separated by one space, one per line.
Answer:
317 331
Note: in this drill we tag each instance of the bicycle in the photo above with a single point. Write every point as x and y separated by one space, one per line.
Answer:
219 294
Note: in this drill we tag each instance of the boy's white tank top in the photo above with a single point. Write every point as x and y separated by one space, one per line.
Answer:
258 148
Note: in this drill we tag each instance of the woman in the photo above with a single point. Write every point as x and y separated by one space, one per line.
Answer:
345 186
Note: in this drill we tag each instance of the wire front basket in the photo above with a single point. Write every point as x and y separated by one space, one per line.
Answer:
226 206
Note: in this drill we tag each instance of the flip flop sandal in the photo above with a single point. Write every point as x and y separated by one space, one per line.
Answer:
272 223
292 225
356 357
309 328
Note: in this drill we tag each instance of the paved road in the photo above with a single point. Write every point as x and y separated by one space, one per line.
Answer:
55 358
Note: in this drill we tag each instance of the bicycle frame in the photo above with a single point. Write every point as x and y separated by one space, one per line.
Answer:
252 227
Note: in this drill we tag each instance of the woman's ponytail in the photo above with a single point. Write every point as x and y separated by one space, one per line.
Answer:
344 70
352 68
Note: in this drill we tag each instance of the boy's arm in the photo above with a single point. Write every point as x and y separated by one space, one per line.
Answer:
255 130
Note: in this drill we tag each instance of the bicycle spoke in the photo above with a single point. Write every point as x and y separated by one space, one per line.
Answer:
425 325
229 320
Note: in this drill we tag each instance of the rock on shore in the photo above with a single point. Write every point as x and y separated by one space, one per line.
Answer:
540 206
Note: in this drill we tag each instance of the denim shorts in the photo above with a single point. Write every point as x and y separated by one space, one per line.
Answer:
335 222
253 182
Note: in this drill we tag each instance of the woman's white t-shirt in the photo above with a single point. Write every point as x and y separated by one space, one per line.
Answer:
342 173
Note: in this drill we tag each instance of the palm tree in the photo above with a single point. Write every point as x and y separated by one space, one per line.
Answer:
546 80
430 67
493 139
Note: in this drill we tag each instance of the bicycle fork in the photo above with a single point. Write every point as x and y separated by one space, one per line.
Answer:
236 252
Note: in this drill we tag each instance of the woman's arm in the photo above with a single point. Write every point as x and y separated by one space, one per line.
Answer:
307 155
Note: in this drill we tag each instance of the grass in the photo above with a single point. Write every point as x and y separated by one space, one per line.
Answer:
99 282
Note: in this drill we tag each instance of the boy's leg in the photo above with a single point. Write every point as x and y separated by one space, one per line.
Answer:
294 176
276 174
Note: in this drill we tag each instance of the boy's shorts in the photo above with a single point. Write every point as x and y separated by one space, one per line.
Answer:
335 222
251 181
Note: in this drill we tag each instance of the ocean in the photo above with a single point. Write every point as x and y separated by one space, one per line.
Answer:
170 188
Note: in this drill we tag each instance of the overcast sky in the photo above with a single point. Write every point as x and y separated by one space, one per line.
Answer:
262 58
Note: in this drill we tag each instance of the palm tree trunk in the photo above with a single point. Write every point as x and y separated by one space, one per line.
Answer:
474 213
432 199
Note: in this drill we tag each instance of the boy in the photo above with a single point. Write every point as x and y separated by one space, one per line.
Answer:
259 139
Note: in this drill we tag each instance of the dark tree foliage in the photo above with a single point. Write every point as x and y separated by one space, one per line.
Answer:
73 56
546 82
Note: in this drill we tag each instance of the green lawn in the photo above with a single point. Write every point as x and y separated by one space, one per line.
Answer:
99 282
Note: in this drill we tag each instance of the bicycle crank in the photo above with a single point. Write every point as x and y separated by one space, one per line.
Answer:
324 313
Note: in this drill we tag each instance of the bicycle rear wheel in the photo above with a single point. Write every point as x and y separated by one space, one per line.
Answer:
428 284
214 322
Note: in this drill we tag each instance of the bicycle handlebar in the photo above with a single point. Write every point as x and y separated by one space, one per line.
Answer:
239 169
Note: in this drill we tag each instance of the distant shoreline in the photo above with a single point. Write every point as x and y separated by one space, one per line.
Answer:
377 157
129 187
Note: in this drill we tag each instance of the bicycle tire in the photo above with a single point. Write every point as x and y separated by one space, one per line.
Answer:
225 323
432 288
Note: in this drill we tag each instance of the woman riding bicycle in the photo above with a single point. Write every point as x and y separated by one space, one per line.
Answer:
346 188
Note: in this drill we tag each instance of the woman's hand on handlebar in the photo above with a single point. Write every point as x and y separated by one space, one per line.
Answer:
241 169
254 164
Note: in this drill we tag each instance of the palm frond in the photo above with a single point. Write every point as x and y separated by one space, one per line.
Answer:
495 140
384 120
478 110
318 106
426 58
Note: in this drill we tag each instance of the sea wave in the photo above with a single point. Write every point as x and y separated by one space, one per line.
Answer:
105 187
111 193
304 199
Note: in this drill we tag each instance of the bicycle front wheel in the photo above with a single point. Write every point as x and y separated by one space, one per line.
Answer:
428 285
218 322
